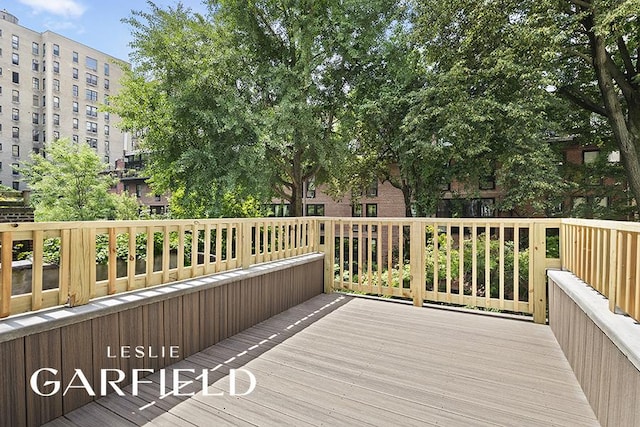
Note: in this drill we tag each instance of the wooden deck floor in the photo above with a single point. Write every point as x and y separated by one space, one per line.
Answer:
337 360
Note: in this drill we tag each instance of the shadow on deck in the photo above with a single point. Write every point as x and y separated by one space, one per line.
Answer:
340 360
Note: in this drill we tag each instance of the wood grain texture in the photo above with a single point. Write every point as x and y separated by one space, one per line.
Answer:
76 339
43 351
13 383
332 360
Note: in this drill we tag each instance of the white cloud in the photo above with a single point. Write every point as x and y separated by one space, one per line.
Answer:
58 26
69 8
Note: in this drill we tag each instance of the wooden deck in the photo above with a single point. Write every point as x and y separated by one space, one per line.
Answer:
338 360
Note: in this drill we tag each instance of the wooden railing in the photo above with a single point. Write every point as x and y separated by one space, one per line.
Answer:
95 259
495 264
606 255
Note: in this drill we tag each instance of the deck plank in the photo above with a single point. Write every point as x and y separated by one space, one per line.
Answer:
351 361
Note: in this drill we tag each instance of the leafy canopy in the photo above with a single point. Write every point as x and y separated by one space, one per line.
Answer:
71 184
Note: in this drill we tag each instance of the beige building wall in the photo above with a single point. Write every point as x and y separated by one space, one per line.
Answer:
53 87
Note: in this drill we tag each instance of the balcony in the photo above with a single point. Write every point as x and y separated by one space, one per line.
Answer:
325 321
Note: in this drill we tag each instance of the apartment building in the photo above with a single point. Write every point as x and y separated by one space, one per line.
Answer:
52 87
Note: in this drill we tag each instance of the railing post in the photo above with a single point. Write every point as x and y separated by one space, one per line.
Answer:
245 244
83 266
6 274
417 267
538 247
329 250
613 268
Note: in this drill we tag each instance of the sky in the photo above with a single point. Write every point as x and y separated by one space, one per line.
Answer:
95 23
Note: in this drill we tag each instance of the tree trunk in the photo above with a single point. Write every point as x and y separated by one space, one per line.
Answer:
628 142
406 193
297 190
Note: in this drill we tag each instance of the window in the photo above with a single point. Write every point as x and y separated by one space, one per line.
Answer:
92 142
75 90
106 129
75 106
92 111
44 101
75 57
15 77
280 210
56 119
75 123
106 116
56 102
311 189
35 48
56 50
315 210
75 138
106 84
56 67
92 127
106 69
15 114
15 185
75 73
15 41
356 210
56 85
92 79
91 63
56 135
15 59
372 210
91 95
35 83
590 156
36 101
35 118
15 150
15 167
35 65
44 118
35 135
614 157
15 95
372 191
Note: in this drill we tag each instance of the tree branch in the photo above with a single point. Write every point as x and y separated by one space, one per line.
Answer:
626 58
582 101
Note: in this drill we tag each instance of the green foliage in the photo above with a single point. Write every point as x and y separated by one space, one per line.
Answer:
507 75
70 184
248 99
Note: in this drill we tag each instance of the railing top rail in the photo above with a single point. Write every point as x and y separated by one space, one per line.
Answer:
70 225
608 224
440 220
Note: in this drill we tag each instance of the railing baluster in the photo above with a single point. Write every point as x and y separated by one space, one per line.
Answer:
6 259
474 264
36 270
501 250
131 260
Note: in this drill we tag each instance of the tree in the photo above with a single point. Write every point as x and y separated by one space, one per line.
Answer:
249 97
70 184
388 147
582 51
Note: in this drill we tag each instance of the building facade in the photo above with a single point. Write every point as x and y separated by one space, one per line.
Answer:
52 87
